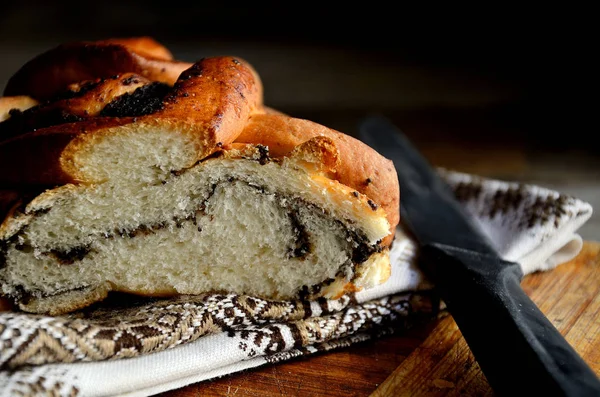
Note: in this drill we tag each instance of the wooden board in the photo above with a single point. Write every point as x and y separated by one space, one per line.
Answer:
432 360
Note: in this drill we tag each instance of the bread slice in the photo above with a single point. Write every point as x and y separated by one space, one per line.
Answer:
209 191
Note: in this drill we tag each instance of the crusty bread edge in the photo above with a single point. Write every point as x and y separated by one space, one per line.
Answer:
360 166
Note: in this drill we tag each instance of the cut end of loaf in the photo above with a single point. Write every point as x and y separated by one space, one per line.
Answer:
250 225
164 185
135 152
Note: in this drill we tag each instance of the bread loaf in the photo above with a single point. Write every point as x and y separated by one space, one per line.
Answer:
191 186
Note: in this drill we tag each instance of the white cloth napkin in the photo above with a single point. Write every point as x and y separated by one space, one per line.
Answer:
144 347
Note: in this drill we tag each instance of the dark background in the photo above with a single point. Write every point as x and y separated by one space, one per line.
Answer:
494 75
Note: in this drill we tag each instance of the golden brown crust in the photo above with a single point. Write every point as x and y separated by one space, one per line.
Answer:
53 71
360 166
103 91
320 151
216 104
82 100
217 101
14 102
143 45
211 102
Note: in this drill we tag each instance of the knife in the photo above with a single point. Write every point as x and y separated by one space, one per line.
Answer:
518 349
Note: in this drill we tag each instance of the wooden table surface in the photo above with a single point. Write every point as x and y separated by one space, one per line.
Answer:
432 359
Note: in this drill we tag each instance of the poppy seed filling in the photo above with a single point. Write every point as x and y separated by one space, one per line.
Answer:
302 231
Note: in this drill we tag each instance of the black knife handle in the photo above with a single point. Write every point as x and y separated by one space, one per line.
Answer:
518 349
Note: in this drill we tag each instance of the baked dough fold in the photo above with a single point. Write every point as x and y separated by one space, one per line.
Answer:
148 186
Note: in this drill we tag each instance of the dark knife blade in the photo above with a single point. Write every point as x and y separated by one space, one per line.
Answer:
518 349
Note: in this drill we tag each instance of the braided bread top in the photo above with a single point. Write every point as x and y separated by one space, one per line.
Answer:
98 98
